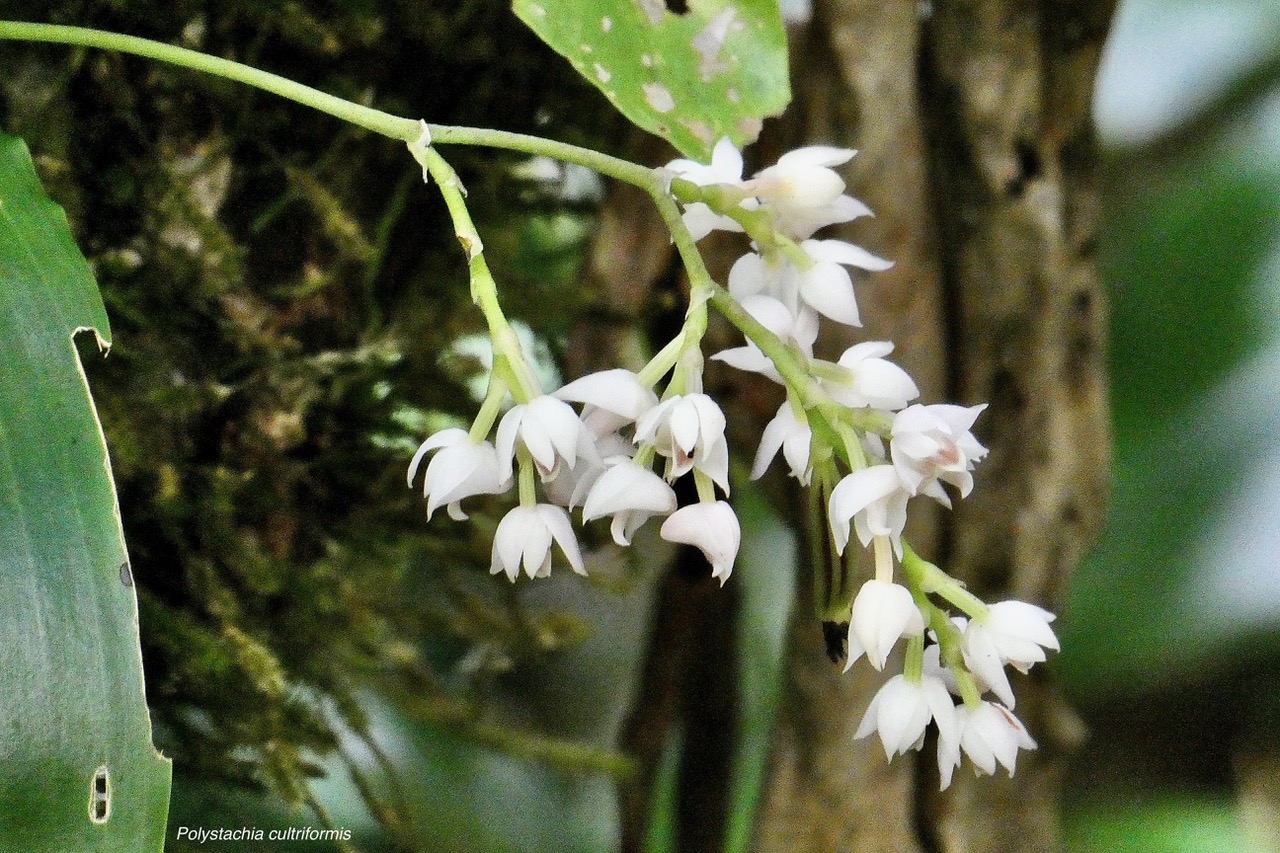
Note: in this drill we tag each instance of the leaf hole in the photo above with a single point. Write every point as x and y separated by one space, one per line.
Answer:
100 796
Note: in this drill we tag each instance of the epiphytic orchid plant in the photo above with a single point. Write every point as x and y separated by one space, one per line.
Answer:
850 431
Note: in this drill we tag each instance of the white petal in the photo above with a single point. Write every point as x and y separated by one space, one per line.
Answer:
619 391
1023 619
685 426
536 556
982 657
628 487
858 353
841 252
715 463
505 441
556 522
748 359
771 439
726 161
816 155
748 276
710 527
827 288
509 541
770 313
440 439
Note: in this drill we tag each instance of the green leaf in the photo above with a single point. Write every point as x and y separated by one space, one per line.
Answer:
716 70
77 768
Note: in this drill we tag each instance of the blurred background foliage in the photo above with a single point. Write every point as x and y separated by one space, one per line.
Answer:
286 300
1171 634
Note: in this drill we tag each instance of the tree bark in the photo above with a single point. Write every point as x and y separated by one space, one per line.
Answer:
976 152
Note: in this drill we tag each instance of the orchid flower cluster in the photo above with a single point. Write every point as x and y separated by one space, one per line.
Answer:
848 430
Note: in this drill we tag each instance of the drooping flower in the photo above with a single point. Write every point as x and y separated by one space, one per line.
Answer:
631 494
688 429
933 443
523 540
901 710
792 436
870 380
876 502
883 611
712 528
549 429
991 734
1014 633
460 469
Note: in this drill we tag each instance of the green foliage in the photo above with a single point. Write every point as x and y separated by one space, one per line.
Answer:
692 78
77 768
1168 825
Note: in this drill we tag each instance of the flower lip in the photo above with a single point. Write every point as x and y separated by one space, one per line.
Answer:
712 528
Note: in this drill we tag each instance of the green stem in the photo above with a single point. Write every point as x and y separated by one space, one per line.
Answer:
703 288
928 578
376 120
484 290
386 124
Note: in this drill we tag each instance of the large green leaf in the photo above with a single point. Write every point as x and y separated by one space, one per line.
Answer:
77 768
713 71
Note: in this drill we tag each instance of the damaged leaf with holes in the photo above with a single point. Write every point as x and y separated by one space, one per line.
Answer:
691 73
77 768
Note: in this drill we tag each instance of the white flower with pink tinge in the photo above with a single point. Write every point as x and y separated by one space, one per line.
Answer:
805 193
688 429
460 469
933 445
869 380
824 286
725 168
989 734
800 330
523 541
1014 633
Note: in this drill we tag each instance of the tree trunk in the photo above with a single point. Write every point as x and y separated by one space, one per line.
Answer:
976 152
